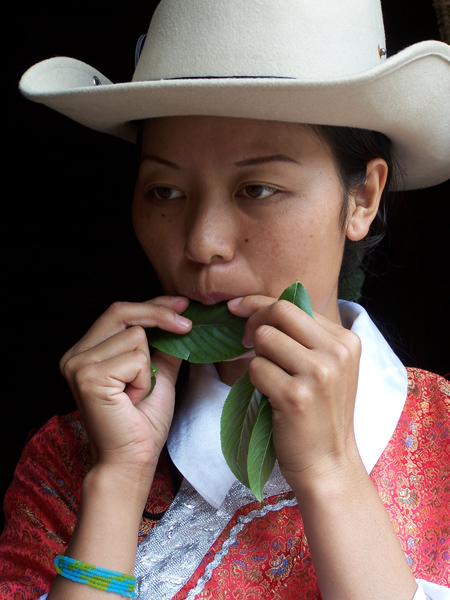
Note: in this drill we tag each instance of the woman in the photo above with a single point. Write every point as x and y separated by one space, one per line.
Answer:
236 198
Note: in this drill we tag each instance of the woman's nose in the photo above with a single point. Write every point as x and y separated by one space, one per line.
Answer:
210 236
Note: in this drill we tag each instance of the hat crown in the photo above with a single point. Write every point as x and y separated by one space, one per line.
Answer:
301 39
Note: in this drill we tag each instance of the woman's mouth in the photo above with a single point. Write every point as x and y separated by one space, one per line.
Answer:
209 298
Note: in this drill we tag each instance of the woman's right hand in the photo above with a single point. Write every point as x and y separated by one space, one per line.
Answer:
108 371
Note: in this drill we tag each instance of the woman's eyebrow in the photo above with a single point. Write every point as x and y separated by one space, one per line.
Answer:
161 161
247 162
259 160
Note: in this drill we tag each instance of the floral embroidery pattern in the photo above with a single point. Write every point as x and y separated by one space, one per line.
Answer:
413 477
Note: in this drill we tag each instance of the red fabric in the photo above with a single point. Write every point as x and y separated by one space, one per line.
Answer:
41 506
270 554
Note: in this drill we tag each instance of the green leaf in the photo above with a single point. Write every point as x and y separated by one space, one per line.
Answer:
216 335
297 294
261 453
246 423
239 415
153 370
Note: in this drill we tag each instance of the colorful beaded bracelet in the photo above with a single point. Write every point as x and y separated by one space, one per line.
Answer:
96 577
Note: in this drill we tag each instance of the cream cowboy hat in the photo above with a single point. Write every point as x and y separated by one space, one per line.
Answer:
308 61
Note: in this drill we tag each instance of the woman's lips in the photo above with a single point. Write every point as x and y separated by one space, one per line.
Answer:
210 298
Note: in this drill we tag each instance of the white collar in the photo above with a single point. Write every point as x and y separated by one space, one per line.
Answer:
194 438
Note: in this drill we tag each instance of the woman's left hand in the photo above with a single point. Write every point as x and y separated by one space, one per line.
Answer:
308 369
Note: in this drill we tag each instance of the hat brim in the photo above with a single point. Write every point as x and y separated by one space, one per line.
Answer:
406 97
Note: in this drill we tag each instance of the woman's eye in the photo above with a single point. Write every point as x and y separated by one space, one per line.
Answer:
258 192
164 193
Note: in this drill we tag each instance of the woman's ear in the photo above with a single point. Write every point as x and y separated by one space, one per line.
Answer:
365 202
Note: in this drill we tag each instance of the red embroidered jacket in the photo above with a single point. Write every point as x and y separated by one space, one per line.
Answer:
270 554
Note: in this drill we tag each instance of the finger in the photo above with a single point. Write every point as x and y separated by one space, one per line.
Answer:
163 312
320 370
272 381
248 305
301 345
344 336
125 341
107 380
177 303
282 350
286 317
331 326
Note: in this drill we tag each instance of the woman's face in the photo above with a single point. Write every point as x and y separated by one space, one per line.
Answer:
230 207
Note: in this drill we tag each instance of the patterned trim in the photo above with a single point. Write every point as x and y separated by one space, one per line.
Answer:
242 521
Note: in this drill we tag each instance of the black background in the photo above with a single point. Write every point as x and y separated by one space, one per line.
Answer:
69 250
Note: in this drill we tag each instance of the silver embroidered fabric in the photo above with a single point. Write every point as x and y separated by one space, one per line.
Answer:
241 522
172 551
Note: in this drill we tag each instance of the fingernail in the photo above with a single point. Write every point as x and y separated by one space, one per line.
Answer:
235 302
183 321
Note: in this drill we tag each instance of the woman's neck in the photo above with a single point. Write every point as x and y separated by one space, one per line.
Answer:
230 371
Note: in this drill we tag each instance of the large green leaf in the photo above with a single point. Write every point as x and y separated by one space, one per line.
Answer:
239 415
216 335
261 453
246 423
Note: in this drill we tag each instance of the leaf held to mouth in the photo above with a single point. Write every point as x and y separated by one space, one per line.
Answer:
216 335
246 422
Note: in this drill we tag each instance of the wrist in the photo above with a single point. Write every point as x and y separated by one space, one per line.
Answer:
331 478
111 509
342 508
124 487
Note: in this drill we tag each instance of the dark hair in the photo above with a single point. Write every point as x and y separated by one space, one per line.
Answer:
352 149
